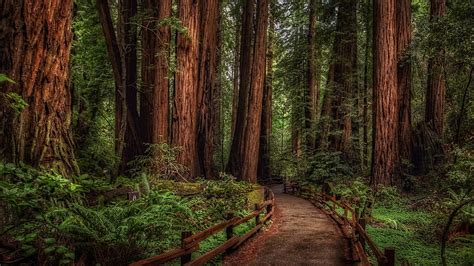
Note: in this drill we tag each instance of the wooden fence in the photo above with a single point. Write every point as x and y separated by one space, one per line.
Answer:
352 226
190 242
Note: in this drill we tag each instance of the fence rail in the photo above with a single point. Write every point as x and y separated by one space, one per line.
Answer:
190 242
352 226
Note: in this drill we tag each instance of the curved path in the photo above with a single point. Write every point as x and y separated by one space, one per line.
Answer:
301 235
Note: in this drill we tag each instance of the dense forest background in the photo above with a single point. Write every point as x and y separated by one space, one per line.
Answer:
367 99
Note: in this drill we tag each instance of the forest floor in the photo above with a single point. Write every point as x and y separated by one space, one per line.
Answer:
301 235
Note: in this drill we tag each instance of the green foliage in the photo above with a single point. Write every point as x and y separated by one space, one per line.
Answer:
328 167
159 162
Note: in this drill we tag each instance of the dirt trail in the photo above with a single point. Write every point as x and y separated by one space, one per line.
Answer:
301 235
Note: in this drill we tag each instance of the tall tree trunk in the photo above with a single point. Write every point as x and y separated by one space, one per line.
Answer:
322 139
436 84
252 130
365 112
160 113
235 77
385 103
128 44
115 57
186 87
207 87
345 76
148 68
312 92
404 79
234 165
35 47
266 127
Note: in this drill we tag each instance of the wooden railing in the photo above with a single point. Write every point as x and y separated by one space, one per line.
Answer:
352 226
190 242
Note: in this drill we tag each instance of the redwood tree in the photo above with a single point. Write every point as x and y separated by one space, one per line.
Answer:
207 87
385 102
252 130
404 78
436 84
234 165
312 91
186 86
266 124
160 114
35 47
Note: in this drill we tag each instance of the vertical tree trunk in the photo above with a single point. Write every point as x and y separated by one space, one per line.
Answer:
235 78
365 112
266 127
186 87
128 45
160 113
312 92
115 57
345 76
148 68
234 165
35 47
404 78
252 130
436 85
385 103
207 86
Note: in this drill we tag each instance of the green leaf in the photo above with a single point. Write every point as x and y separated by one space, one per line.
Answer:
4 77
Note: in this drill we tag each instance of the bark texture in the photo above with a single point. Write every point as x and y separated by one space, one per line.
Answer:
385 103
252 130
160 113
35 45
266 127
436 84
234 165
405 141
207 94
312 90
345 77
186 87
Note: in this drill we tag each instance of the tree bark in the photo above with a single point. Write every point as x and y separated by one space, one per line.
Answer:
160 114
207 87
252 130
128 44
234 165
115 57
345 77
385 103
266 127
404 79
148 68
365 112
436 84
186 87
35 47
235 78
312 91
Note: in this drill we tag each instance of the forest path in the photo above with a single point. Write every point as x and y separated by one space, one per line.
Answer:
301 235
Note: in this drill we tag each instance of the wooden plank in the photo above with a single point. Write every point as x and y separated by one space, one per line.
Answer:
247 218
213 253
267 216
164 257
208 232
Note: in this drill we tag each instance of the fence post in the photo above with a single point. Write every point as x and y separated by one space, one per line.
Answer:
257 218
390 255
185 258
361 239
229 231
